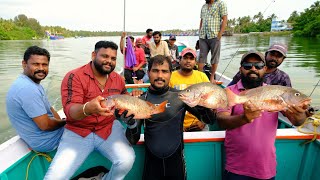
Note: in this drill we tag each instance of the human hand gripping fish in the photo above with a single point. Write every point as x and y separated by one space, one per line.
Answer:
96 106
251 111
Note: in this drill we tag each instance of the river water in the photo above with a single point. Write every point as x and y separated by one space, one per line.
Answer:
302 63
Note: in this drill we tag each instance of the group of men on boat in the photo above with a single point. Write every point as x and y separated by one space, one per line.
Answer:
89 126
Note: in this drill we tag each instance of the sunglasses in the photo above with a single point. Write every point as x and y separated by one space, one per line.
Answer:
248 66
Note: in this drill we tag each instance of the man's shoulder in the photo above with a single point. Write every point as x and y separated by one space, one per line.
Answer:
282 73
173 90
175 73
164 43
22 84
277 77
115 75
235 87
201 75
79 70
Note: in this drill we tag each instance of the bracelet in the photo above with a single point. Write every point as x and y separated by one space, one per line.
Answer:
83 107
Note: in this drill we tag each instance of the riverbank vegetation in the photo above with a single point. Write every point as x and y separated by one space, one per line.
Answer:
24 28
305 24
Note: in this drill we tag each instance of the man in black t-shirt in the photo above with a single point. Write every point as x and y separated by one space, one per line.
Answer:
163 133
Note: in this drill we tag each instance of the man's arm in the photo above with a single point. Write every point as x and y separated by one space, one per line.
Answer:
46 123
55 114
205 115
177 53
133 134
297 115
200 25
228 121
123 35
166 49
223 26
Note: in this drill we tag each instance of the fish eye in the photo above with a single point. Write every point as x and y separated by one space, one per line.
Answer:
188 90
296 94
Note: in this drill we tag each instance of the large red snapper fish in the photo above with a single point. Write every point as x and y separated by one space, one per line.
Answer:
204 94
140 108
270 98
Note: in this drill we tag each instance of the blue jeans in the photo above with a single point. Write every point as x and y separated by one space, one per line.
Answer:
74 149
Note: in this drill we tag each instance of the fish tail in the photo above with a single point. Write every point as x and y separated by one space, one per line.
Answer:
233 99
161 108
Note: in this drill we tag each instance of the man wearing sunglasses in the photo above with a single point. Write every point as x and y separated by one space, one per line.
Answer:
251 132
274 57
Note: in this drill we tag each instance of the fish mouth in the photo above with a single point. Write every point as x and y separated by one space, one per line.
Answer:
182 96
305 101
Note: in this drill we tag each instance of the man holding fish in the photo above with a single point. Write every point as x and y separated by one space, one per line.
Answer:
252 117
184 77
90 125
163 133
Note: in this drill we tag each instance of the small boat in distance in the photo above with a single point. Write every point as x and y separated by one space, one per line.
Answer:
54 36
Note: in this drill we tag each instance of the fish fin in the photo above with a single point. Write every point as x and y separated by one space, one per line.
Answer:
161 108
149 103
233 99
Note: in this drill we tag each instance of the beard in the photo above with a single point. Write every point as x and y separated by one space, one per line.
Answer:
187 70
156 41
272 64
250 82
160 89
36 79
99 67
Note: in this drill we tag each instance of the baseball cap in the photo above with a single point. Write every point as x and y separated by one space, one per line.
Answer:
244 57
188 50
172 37
281 48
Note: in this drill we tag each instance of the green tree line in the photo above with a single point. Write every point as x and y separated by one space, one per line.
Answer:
24 28
247 24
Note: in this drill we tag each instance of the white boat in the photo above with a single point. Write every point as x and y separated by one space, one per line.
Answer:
203 151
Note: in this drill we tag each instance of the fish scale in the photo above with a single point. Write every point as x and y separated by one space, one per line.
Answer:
270 97
140 108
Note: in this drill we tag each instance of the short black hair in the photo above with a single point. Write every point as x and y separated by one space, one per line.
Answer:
35 50
105 44
132 38
159 59
148 30
156 32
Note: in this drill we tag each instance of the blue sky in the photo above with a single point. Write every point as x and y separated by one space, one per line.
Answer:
107 15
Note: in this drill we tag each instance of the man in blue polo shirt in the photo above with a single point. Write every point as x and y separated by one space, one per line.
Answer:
28 108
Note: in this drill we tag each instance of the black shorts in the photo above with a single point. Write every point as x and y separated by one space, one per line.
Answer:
172 167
